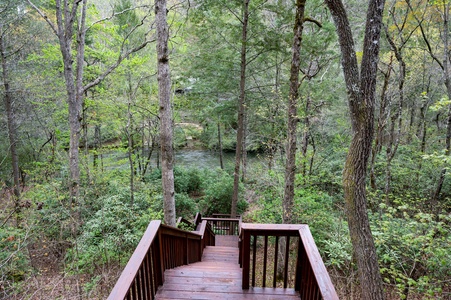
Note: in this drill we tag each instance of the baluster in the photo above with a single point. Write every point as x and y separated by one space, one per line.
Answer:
275 262
265 257
141 283
149 274
254 254
297 273
287 253
134 292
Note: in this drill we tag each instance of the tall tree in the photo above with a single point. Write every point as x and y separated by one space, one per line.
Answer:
164 94
293 119
10 15
361 86
71 22
241 109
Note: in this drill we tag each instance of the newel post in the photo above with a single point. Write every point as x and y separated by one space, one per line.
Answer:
246 247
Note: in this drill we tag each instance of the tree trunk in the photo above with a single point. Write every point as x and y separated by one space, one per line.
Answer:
164 95
381 124
97 145
244 146
12 127
305 138
129 132
361 95
446 57
293 119
394 138
221 157
241 101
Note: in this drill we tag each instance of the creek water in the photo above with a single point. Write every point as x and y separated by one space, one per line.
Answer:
188 158
202 158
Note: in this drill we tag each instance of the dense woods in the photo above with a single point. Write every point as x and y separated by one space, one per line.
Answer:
329 113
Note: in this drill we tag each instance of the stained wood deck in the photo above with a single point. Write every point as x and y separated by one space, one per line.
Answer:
217 276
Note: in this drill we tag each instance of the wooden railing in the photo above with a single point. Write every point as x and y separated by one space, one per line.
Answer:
161 248
311 278
224 226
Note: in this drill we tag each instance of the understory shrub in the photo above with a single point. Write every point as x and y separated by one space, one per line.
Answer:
14 260
218 190
414 250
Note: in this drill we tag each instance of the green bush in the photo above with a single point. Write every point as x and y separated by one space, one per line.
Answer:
185 206
186 180
218 190
414 250
112 233
14 260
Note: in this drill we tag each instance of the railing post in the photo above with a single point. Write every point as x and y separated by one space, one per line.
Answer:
246 245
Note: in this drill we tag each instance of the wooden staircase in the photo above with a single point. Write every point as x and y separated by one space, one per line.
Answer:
223 258
217 276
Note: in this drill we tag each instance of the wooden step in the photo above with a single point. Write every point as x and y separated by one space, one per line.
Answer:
217 276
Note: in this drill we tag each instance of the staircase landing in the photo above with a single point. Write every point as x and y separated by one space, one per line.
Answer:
217 276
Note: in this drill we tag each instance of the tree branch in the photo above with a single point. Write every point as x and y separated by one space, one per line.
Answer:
115 65
115 14
307 19
45 17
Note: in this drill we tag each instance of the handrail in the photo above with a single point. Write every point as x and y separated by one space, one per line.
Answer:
161 248
311 277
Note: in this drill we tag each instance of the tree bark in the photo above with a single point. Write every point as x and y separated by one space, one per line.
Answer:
12 126
293 119
129 132
221 155
241 111
164 95
381 124
361 97
446 57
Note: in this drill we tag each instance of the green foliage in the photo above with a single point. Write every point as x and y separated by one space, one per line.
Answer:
218 190
14 260
413 249
185 206
110 235
187 180
315 208
338 248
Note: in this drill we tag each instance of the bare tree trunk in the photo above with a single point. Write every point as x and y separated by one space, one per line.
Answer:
361 95
394 138
97 145
381 124
129 132
305 137
293 119
221 156
12 127
446 58
164 94
241 101
244 147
